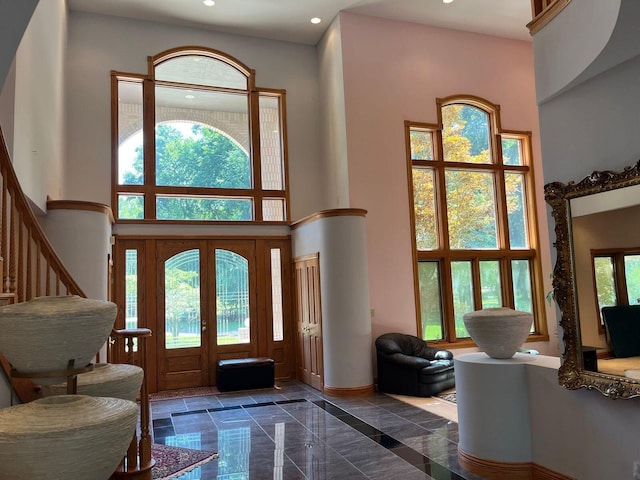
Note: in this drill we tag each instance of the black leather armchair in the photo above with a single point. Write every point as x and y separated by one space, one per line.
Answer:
407 366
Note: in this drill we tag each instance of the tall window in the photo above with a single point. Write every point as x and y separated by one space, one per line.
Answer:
471 187
616 277
195 140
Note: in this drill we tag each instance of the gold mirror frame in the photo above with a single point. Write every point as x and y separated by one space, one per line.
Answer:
558 195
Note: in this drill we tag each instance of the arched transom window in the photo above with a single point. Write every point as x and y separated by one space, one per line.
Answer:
196 141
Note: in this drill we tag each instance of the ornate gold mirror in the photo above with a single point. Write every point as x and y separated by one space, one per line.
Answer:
593 216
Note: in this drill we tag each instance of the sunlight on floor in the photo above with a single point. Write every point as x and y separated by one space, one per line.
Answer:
435 405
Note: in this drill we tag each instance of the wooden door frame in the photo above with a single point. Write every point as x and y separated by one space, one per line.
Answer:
146 245
308 298
145 303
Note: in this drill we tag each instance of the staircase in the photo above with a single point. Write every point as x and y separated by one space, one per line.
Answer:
30 268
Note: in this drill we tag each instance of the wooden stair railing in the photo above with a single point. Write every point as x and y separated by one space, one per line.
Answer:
28 264
30 268
138 462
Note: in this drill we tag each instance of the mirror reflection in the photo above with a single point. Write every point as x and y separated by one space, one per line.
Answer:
596 280
606 255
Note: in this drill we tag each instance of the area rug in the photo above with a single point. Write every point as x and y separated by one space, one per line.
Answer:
184 393
172 462
448 397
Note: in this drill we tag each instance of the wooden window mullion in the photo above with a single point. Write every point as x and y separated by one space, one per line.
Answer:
256 156
476 283
448 313
506 270
149 136
502 212
621 280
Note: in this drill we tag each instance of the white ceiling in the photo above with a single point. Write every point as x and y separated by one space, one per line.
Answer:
288 20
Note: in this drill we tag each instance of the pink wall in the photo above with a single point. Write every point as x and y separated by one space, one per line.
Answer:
394 71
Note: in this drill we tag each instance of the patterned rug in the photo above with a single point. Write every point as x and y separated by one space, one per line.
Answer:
172 462
449 396
183 393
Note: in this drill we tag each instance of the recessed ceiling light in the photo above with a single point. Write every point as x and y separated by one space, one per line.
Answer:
447 1
190 97
209 3
315 20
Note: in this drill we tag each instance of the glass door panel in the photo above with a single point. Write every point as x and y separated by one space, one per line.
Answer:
182 300
182 313
232 298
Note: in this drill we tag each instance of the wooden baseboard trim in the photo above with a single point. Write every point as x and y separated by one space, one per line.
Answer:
349 391
493 470
543 473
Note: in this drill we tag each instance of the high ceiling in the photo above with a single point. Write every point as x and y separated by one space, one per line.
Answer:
289 20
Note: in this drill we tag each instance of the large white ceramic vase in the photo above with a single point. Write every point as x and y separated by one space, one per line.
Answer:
67 437
46 333
118 380
499 332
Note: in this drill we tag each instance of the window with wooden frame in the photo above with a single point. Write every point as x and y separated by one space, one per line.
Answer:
196 141
616 278
473 217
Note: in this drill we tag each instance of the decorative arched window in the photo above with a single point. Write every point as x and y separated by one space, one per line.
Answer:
196 141
473 218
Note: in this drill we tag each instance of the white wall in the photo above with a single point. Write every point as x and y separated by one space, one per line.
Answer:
7 110
99 44
13 22
592 126
575 433
81 238
586 27
394 71
334 129
346 326
38 143
581 433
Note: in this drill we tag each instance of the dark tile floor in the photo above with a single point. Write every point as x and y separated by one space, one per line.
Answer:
295 432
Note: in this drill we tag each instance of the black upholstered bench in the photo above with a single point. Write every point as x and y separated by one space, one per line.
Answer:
245 373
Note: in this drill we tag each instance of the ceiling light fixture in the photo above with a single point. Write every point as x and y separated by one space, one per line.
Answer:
209 3
189 97
315 20
447 1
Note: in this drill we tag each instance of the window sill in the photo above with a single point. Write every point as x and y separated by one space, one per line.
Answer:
468 343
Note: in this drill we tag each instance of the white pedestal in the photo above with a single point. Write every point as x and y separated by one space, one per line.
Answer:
493 407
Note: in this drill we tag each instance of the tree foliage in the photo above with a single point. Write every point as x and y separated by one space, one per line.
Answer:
205 158
470 194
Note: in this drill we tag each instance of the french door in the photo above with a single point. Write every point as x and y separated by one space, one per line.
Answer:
205 300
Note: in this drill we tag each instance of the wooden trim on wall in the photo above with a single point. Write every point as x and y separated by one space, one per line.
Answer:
494 470
349 391
548 14
80 205
337 212
538 472
147 236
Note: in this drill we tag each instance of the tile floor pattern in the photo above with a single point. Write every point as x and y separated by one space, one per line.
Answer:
295 432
